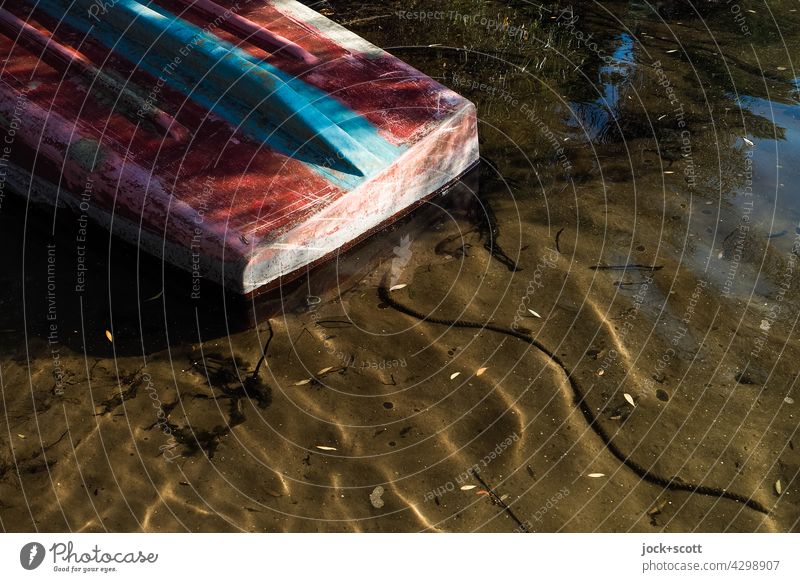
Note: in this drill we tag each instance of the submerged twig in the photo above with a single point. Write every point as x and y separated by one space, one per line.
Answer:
645 473
558 237
632 267
499 501
263 357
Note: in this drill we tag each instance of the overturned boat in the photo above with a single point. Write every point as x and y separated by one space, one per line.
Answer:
239 141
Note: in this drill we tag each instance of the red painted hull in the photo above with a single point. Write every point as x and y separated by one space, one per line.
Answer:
202 193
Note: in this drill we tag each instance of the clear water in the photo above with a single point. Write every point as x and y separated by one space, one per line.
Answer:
668 138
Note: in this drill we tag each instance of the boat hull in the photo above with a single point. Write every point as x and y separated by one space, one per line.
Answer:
235 201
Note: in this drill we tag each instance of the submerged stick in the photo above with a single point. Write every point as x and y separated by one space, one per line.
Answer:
631 267
671 483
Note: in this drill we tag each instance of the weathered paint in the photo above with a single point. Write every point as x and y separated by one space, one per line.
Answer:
245 28
436 160
259 212
247 92
64 58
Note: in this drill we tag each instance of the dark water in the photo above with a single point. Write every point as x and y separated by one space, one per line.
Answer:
664 137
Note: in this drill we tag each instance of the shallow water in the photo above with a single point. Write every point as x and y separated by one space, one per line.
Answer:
669 139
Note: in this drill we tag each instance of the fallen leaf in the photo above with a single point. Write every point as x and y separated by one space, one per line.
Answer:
109 336
154 297
325 448
468 487
480 371
398 287
596 475
302 382
455 375
748 142
778 487
535 314
629 398
657 508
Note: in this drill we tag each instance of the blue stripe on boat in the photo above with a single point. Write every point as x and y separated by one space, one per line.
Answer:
264 102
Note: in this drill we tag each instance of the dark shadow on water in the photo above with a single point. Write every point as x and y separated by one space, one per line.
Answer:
144 304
